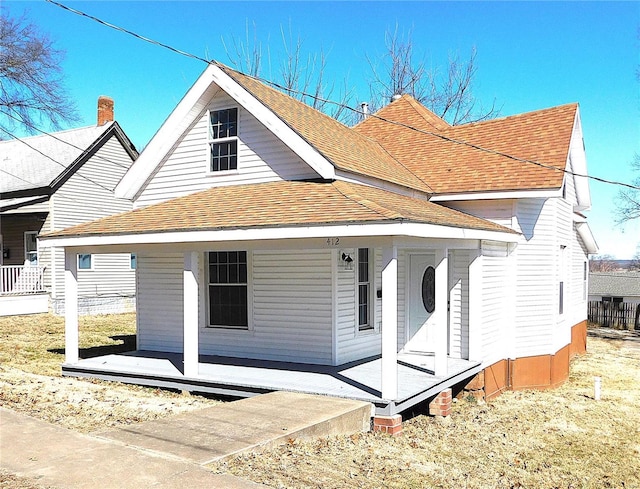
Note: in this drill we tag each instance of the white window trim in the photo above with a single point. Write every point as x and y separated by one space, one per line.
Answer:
220 328
93 262
210 141
372 293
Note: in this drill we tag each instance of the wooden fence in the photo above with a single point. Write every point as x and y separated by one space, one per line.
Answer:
617 315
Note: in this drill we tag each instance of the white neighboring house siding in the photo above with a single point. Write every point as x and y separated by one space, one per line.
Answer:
291 314
261 158
110 285
353 344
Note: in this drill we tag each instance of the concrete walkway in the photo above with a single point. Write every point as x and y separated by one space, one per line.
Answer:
169 453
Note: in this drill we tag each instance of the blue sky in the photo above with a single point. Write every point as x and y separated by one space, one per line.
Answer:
531 55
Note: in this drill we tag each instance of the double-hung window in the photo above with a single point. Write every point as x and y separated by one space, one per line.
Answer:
365 319
228 289
223 140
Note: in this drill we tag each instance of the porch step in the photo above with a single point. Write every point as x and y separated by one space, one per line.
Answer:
259 422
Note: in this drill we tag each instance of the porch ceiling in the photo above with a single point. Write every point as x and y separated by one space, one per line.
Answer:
244 378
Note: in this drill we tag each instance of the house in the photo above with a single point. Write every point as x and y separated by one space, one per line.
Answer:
280 249
614 299
50 182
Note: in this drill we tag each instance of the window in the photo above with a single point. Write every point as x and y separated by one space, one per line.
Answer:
134 261
223 140
228 289
84 262
584 280
31 248
365 321
561 274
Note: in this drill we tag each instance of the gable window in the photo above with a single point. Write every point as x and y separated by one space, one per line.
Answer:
223 140
365 319
228 289
85 262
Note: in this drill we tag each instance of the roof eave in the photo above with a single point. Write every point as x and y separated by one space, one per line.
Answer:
391 228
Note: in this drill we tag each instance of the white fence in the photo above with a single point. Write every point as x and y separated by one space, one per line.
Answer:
21 280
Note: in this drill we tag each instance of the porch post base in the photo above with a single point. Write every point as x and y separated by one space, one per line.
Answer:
391 425
441 405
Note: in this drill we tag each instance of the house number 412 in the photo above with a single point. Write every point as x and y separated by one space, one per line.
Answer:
333 241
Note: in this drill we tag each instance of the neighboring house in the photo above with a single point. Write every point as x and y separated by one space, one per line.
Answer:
614 299
615 287
280 249
50 182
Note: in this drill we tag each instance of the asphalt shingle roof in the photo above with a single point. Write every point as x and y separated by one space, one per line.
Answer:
623 284
274 204
345 148
24 166
436 152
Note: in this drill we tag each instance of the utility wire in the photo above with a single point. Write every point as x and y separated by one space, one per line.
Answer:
315 97
52 135
54 160
126 31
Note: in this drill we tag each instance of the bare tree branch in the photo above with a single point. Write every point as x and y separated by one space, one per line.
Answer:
31 87
450 96
628 200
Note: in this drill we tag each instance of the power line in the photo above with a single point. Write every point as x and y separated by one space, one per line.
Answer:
126 31
52 135
53 159
345 106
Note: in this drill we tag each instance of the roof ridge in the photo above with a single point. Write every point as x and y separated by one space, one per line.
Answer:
517 116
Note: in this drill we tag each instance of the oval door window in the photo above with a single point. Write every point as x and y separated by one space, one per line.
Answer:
429 289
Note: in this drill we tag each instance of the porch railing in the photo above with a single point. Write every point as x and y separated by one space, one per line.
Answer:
20 279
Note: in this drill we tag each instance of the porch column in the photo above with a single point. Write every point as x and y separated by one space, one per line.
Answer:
442 311
71 307
475 305
190 316
389 361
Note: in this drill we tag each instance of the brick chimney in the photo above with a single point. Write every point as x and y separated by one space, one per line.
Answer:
105 110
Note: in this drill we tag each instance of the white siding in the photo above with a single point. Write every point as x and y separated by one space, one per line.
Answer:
88 195
292 314
577 300
160 302
261 158
459 304
536 288
354 344
495 309
498 211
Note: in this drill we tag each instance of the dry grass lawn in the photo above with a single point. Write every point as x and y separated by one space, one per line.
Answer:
31 352
559 438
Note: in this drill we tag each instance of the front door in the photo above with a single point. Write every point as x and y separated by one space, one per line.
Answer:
421 303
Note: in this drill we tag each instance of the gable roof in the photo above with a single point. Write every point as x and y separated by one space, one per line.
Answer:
278 204
472 157
345 148
40 164
623 284
321 141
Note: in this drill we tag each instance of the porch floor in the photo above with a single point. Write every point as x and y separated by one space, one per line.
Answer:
245 378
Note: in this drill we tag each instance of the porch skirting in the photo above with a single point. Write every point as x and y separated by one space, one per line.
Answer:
534 372
88 306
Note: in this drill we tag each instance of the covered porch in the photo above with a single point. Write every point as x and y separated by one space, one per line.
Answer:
237 377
